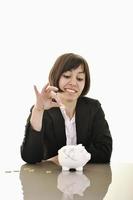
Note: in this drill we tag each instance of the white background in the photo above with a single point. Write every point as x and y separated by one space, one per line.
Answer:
33 33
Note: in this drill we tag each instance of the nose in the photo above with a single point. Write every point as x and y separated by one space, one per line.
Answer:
73 81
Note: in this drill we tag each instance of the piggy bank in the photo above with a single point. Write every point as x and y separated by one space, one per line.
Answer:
73 157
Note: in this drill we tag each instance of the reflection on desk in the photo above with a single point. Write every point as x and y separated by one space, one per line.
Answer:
72 183
47 181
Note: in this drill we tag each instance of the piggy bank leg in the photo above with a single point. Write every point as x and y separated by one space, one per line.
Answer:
65 168
79 169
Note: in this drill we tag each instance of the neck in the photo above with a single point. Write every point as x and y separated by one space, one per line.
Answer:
70 108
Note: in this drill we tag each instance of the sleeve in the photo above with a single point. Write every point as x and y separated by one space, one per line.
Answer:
101 145
32 148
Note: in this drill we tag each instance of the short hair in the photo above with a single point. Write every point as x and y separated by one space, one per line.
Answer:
68 62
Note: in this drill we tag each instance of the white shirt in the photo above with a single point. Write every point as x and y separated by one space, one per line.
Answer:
70 128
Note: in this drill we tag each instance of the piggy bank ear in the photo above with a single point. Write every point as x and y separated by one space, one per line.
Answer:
79 146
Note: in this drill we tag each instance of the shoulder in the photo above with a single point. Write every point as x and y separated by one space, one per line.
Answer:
88 102
88 108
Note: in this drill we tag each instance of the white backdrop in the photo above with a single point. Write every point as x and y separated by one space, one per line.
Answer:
33 33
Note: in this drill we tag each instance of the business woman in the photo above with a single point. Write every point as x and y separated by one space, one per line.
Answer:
63 115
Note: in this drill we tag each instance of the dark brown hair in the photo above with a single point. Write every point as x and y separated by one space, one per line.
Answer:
68 62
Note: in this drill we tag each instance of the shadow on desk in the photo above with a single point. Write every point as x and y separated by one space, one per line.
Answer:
46 181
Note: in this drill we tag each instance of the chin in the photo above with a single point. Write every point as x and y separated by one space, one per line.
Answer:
71 98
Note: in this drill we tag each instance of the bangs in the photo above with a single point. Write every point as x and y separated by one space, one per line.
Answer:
72 63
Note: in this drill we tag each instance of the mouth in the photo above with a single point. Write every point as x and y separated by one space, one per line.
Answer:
71 91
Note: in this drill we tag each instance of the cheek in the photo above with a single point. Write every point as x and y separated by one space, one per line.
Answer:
82 85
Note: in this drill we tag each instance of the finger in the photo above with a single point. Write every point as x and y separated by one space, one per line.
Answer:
36 90
54 104
45 87
58 100
51 88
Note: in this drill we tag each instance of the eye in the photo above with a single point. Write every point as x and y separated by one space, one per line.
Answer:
80 79
66 76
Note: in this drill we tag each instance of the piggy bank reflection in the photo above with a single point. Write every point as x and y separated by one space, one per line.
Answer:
73 157
72 183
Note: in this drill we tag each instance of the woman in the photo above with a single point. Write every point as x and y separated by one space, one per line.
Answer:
62 115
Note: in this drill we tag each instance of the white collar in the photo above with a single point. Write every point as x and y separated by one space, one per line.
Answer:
63 111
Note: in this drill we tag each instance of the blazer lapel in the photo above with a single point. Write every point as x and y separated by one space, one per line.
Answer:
81 122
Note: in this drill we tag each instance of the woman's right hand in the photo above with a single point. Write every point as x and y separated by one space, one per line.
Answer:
47 98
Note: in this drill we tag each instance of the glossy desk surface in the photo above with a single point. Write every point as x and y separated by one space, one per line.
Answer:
46 181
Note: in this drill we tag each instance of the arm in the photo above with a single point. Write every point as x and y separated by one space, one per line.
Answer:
32 146
101 146
39 145
36 118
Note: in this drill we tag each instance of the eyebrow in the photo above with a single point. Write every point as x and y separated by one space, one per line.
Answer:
82 72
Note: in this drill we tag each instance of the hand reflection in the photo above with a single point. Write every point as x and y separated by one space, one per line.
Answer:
71 183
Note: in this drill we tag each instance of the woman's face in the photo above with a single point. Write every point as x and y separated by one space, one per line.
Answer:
72 83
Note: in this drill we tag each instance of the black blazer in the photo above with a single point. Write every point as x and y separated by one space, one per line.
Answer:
92 131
